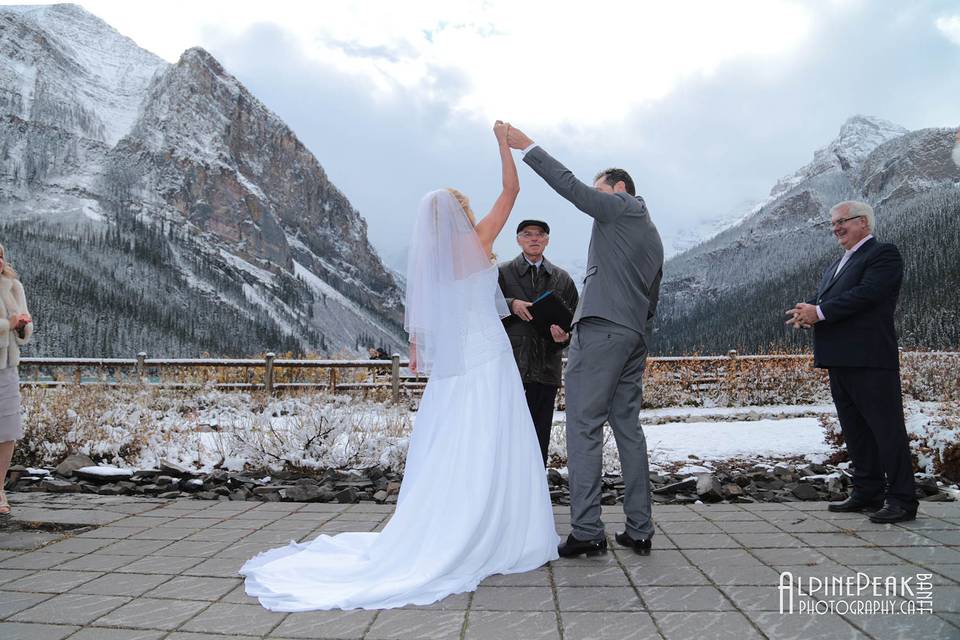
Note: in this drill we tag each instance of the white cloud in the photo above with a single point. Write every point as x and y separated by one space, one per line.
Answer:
549 62
949 26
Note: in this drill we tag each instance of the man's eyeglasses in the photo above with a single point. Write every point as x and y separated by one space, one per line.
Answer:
529 235
836 223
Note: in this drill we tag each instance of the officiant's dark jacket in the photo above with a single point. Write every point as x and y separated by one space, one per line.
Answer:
538 357
859 305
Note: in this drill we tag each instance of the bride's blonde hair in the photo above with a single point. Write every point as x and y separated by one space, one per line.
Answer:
464 204
7 269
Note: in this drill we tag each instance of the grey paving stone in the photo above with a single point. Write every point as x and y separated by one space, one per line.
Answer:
681 574
704 541
608 576
825 570
160 564
927 555
511 625
787 556
689 526
684 599
323 507
902 571
239 596
598 599
142 521
135 547
767 540
229 619
820 540
216 568
147 613
724 625
13 601
37 560
943 537
70 609
26 540
513 599
609 625
537 578
122 584
195 549
864 555
949 571
946 599
113 532
52 581
247 549
903 538
27 631
77 545
727 575
193 521
102 633
808 524
170 534
218 535
682 515
194 588
395 624
730 557
904 627
96 562
805 627
9 575
330 625
747 526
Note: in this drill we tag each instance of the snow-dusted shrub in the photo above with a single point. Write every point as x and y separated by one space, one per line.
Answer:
933 376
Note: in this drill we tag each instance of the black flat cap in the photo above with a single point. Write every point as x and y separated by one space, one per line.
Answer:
534 223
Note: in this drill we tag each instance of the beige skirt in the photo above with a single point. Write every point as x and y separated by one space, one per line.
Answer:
11 424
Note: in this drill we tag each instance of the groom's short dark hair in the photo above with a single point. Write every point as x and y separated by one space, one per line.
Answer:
613 175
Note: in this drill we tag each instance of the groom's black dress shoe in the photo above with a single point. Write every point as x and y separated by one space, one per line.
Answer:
641 546
892 512
856 503
573 547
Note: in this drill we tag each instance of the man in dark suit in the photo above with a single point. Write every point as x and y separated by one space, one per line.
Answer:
523 280
854 338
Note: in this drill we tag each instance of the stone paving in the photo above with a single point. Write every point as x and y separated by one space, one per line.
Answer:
150 570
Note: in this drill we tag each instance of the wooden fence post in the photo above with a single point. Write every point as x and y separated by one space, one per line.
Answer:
395 377
333 380
268 372
141 367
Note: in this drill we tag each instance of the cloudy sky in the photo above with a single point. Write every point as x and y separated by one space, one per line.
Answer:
706 103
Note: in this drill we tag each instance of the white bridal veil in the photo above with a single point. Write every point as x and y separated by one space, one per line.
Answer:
451 284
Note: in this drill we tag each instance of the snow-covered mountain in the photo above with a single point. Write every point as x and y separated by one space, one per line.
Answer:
730 291
238 225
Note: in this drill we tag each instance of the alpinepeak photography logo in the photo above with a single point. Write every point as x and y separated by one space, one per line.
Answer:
860 594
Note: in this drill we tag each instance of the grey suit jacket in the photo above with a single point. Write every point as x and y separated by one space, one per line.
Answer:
625 259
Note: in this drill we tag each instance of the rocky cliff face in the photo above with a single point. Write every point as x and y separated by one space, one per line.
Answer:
96 131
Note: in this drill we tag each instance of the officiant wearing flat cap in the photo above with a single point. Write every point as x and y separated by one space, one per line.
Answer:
538 354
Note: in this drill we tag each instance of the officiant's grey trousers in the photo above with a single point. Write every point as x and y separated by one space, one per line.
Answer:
604 382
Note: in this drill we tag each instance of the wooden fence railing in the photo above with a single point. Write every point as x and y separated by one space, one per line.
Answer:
263 373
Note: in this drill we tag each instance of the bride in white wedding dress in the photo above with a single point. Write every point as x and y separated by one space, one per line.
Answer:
474 499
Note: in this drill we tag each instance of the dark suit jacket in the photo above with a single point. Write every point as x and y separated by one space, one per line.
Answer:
858 306
538 358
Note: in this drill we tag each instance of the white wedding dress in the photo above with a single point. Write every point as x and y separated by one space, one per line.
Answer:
474 499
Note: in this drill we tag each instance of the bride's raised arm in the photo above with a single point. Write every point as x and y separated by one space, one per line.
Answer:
489 227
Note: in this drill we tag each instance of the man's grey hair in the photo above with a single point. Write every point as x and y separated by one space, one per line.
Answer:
855 208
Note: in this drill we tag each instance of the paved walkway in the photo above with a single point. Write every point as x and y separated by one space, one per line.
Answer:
152 570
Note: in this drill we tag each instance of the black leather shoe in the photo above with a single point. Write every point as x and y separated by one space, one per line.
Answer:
893 513
573 547
854 503
641 546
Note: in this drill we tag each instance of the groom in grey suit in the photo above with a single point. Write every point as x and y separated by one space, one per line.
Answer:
608 350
